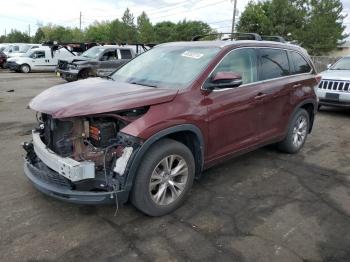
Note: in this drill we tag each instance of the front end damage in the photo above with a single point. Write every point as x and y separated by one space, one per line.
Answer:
83 159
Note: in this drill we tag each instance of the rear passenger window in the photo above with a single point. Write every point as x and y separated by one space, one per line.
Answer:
273 63
242 61
126 54
298 63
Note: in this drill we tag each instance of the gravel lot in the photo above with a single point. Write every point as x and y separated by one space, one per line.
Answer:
263 206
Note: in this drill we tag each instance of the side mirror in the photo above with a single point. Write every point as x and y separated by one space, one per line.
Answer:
223 80
329 66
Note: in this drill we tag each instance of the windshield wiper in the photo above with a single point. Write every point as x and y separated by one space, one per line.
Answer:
142 84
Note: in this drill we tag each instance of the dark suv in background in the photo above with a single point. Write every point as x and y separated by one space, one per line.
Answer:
145 133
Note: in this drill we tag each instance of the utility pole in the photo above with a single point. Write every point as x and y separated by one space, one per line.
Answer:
29 30
234 15
80 21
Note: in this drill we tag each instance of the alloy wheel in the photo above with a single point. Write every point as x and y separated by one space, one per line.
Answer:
299 131
168 180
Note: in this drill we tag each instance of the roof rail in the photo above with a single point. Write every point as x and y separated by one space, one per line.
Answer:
233 36
274 38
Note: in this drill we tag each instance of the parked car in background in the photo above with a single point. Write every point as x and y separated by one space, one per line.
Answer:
39 59
334 89
3 59
23 50
2 47
96 61
149 129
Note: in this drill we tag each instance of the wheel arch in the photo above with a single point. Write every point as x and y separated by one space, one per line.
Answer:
188 134
310 105
26 64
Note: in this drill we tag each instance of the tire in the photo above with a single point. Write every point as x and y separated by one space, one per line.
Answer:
84 74
297 132
25 68
318 107
149 198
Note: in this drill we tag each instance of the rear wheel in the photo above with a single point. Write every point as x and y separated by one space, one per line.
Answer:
25 68
297 132
164 178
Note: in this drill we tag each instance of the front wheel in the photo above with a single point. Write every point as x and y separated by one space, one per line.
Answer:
297 132
164 178
25 68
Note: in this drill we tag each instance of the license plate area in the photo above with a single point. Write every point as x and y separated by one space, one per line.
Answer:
332 97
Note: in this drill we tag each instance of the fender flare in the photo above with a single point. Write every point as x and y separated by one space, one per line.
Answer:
136 160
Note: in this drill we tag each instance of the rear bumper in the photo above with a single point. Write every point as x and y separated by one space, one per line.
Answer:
61 191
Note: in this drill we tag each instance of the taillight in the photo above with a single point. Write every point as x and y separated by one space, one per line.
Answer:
318 78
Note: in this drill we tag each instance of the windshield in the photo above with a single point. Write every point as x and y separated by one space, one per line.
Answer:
342 64
2 48
93 52
166 66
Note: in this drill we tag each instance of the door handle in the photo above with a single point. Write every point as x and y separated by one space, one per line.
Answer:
260 96
297 85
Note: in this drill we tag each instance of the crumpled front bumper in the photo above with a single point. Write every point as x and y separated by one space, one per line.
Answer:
51 185
70 75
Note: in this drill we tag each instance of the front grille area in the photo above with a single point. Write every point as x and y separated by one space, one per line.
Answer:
340 86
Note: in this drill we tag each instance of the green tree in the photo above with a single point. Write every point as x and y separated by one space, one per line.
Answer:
145 29
186 30
316 24
324 28
129 32
39 36
16 36
165 31
98 32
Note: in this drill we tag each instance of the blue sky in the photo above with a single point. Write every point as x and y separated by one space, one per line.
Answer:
20 14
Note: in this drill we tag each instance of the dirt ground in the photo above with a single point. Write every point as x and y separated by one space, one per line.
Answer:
263 206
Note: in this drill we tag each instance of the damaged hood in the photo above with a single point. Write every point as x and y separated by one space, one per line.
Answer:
97 95
76 59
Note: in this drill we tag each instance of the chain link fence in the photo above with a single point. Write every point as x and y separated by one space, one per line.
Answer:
321 62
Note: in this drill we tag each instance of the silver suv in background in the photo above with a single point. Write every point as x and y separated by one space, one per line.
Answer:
334 89
97 61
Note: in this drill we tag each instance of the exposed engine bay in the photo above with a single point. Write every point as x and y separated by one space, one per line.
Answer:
94 138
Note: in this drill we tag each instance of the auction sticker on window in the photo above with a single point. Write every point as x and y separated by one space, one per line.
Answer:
193 55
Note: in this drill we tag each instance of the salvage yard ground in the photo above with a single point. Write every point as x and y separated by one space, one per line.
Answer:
263 206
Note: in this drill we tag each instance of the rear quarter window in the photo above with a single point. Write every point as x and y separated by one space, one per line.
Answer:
298 64
273 63
125 53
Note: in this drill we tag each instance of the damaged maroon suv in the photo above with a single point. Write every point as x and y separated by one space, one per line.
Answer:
144 133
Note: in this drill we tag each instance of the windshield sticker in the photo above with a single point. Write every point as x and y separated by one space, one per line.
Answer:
192 55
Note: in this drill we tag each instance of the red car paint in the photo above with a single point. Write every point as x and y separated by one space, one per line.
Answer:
231 122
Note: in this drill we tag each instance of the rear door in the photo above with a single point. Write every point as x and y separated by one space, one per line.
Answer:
39 60
233 114
276 84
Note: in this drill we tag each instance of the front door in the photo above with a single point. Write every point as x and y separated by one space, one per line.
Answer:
107 63
234 114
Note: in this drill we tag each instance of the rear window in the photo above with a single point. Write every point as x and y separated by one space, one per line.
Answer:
126 54
298 63
273 63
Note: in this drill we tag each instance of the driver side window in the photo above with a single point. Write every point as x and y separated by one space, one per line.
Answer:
242 61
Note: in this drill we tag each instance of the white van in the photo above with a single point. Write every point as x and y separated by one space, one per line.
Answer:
38 59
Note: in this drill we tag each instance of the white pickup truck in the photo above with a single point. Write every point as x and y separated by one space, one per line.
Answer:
39 59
